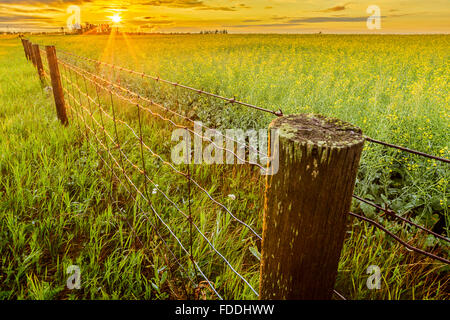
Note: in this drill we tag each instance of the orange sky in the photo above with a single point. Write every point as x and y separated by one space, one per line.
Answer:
237 16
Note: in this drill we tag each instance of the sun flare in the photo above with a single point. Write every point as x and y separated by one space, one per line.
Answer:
116 18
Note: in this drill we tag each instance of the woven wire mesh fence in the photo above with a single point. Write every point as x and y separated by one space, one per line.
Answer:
126 119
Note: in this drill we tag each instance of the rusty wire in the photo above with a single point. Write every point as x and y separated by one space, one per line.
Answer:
135 200
96 81
278 113
160 158
405 244
123 155
150 101
262 154
131 183
419 153
396 216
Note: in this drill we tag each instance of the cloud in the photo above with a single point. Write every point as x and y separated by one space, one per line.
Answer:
47 2
328 19
264 25
336 8
195 4
28 10
175 3
24 17
244 6
217 8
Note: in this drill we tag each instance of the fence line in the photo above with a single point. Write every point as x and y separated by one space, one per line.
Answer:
130 182
168 163
396 216
175 84
419 153
137 96
367 202
173 203
133 99
405 244
232 100
142 211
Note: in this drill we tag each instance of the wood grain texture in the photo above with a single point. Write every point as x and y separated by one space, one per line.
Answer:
306 206
38 59
56 84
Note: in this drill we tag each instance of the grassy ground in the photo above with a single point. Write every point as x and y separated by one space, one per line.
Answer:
60 206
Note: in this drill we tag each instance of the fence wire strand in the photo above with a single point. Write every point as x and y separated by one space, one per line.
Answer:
166 162
396 216
130 182
121 165
112 88
405 244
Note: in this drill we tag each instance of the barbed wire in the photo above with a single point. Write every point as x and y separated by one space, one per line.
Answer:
99 82
138 206
172 202
405 244
396 216
262 154
175 84
277 113
159 156
130 182
150 101
423 154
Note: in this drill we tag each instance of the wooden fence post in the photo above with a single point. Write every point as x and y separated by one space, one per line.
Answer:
37 58
30 50
25 48
56 84
306 206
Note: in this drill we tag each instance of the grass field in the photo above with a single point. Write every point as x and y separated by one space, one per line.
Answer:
57 208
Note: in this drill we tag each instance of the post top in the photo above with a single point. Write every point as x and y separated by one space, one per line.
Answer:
317 130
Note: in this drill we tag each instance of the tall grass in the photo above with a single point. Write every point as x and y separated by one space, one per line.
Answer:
60 205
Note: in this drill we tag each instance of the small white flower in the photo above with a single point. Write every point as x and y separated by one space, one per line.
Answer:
232 196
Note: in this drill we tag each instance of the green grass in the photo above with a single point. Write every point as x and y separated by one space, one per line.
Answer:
60 205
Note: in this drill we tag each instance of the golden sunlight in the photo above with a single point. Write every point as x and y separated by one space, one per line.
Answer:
116 18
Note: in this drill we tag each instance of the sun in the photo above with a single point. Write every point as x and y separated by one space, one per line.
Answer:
116 18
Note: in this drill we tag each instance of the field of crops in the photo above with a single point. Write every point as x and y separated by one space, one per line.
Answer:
56 212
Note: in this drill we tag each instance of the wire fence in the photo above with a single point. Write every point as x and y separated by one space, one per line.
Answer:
116 122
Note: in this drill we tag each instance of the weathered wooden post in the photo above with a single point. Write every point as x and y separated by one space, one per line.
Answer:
24 47
306 206
27 49
37 58
56 84
31 52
